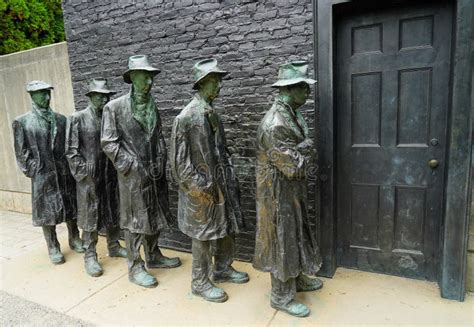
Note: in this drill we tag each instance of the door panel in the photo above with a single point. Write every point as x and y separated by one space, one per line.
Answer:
392 76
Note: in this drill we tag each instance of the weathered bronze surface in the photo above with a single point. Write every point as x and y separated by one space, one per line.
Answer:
132 138
97 187
284 244
209 196
39 137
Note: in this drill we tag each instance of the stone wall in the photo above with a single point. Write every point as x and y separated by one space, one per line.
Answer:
49 63
249 38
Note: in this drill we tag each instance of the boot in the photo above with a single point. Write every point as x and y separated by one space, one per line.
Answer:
113 244
164 262
306 284
153 256
292 308
230 275
54 249
116 250
93 267
212 294
75 242
56 256
143 278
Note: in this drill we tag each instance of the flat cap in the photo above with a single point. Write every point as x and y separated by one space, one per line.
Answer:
37 86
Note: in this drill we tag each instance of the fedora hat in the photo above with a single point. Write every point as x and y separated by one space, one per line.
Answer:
34 86
205 67
293 73
99 85
139 62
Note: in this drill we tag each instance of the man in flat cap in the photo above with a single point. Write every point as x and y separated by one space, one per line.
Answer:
97 186
209 199
39 137
132 138
284 244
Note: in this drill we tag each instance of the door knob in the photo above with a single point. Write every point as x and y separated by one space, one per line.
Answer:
433 163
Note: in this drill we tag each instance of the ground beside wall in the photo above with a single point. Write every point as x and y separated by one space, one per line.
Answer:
470 250
249 38
51 64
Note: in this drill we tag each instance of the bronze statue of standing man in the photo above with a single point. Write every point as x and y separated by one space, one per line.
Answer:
133 140
39 137
209 199
284 244
97 186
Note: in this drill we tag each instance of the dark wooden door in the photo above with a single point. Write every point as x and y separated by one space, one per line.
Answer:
392 84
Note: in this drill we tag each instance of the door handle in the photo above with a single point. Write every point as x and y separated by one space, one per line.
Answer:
433 163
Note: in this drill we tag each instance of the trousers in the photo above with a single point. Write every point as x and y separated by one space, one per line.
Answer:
133 242
51 237
90 240
202 260
283 292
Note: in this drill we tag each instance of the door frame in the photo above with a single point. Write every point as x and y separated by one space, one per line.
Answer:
458 174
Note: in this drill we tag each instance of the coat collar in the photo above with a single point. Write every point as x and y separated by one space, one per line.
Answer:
92 111
150 110
202 103
46 116
209 112
293 118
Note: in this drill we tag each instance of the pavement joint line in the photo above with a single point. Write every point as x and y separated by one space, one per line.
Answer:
99 290
271 319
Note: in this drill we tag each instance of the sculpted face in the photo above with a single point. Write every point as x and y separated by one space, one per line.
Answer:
99 100
41 98
142 81
300 93
210 86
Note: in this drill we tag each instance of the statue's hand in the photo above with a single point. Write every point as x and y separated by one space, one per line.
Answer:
90 168
34 167
210 192
306 147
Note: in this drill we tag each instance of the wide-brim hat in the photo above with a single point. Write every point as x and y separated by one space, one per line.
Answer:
205 67
34 86
293 73
139 62
99 85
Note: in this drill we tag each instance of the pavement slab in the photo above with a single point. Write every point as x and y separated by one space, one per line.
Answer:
15 311
351 297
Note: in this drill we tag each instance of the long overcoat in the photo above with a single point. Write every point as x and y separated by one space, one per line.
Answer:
97 190
209 195
284 243
39 150
139 156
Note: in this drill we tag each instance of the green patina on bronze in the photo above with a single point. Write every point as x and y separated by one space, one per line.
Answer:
96 178
209 194
39 137
132 138
285 247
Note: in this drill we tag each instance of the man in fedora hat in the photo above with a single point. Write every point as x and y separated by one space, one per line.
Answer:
209 200
39 137
97 193
284 244
133 140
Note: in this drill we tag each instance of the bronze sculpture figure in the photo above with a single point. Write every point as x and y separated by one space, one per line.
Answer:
209 204
97 188
284 245
132 138
39 138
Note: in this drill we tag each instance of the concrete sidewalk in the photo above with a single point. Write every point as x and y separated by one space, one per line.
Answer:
350 298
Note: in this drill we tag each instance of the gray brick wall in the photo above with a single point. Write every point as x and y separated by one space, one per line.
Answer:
249 38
